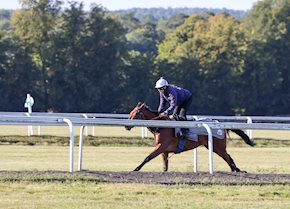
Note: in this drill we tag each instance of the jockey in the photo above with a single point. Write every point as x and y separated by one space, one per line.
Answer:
179 99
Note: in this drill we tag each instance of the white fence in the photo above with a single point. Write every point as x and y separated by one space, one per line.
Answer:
60 119
240 119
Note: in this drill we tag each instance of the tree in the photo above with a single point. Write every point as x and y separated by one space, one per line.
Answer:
207 57
168 26
68 78
34 26
144 39
267 65
88 60
16 73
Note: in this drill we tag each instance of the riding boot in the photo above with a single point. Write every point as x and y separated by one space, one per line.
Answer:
183 130
179 133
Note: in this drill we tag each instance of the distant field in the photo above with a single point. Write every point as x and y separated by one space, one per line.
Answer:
118 131
64 131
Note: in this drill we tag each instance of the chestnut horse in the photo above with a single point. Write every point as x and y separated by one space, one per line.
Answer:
166 142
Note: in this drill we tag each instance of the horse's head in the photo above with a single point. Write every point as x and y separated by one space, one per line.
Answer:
141 112
135 114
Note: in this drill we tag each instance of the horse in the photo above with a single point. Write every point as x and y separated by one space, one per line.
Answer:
166 141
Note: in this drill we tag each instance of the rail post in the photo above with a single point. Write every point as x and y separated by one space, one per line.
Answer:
210 147
142 132
28 104
29 128
85 116
195 159
71 142
249 131
81 141
94 128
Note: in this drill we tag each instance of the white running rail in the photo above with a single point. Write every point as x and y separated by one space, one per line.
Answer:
54 120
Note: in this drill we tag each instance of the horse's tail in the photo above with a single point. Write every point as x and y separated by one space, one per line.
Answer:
244 136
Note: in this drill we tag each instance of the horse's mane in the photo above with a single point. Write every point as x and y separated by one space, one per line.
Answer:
148 108
155 112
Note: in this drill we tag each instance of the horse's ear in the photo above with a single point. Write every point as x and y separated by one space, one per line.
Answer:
145 105
139 104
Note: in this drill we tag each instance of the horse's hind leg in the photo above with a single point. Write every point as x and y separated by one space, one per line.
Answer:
233 165
220 149
228 159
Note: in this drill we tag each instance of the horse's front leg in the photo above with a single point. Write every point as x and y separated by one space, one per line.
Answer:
165 161
157 151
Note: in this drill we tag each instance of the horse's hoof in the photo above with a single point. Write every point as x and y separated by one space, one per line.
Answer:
239 171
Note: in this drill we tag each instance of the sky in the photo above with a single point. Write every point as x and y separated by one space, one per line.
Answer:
126 4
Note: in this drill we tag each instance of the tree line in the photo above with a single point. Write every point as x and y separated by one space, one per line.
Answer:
72 60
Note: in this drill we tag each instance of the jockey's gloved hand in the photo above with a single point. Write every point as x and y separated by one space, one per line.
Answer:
163 114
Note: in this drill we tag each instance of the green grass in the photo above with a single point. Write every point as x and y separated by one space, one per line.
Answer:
130 196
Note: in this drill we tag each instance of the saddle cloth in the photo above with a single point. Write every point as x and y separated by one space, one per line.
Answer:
192 133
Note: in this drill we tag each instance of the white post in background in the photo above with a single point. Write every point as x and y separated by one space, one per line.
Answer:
85 116
249 131
81 141
146 132
195 158
39 131
28 104
94 132
142 132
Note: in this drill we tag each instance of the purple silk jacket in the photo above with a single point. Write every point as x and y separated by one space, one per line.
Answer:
175 96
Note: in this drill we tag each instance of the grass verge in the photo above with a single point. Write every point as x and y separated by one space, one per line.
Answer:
121 141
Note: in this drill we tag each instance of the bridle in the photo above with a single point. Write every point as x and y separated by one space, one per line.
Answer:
140 115
137 115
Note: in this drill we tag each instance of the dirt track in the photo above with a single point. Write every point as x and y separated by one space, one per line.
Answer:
170 178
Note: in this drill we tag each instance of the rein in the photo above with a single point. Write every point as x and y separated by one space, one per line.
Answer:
160 118
143 116
144 113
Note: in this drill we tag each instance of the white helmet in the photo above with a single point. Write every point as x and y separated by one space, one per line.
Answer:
161 83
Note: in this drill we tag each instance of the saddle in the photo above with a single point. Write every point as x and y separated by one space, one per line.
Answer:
192 133
179 132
